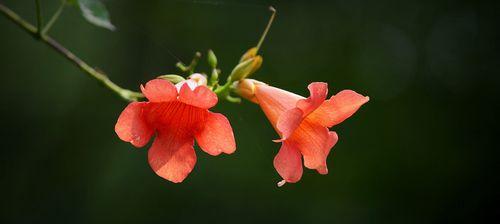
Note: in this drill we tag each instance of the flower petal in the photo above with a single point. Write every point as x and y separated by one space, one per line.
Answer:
288 122
172 156
217 135
159 90
274 101
332 140
190 83
201 96
291 119
131 125
314 142
288 163
318 91
338 108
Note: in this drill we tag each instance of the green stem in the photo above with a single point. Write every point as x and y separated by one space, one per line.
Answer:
18 20
54 18
194 63
38 18
125 94
269 23
224 92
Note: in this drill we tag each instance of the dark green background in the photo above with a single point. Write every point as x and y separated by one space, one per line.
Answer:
421 151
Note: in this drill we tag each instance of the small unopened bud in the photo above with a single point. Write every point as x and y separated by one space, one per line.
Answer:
246 68
212 59
256 64
214 77
172 78
242 70
252 52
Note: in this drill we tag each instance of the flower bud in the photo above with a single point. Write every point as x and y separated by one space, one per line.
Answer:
246 68
172 78
251 53
242 70
212 59
256 64
214 77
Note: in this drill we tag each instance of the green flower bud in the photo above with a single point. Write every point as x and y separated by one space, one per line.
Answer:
212 59
242 70
251 53
214 78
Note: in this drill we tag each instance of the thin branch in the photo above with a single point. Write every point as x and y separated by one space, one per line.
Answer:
102 78
38 18
18 20
54 18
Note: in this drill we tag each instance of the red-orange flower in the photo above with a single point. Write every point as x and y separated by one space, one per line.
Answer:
177 116
302 123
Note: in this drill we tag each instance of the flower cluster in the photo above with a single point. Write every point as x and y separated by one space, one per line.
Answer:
177 113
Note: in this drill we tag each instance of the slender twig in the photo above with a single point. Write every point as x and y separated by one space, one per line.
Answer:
18 20
38 18
54 18
189 68
102 78
269 23
194 62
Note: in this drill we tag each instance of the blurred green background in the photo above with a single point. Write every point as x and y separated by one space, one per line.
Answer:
421 151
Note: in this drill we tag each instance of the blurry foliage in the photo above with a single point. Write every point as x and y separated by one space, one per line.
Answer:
95 12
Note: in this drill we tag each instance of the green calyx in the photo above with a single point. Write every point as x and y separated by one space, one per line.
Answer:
172 78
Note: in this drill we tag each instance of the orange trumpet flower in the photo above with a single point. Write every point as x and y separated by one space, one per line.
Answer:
302 123
178 115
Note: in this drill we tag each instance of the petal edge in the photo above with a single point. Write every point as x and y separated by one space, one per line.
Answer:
338 108
172 157
200 97
288 163
216 136
131 126
159 90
